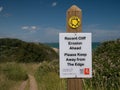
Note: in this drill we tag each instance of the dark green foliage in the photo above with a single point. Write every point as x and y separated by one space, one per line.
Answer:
106 67
20 51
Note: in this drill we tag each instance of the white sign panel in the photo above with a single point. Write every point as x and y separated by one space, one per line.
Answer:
75 55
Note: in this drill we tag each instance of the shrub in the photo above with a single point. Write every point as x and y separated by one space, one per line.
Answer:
14 50
106 67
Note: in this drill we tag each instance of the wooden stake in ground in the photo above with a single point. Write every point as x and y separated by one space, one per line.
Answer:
74 25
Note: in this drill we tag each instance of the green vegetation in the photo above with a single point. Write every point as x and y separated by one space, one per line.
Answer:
14 72
106 67
10 75
48 78
20 51
19 58
9 82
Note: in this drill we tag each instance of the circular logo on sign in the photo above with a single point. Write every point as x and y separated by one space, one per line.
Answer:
74 22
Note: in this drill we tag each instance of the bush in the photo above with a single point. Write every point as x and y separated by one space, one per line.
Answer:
14 50
106 67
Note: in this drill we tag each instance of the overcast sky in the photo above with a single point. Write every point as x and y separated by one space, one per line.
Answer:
43 20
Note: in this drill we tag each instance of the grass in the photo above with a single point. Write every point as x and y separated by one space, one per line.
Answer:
14 72
48 78
11 76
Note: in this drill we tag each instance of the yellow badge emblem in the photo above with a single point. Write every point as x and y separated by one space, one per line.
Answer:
74 22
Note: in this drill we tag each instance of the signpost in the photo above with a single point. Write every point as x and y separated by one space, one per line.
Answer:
75 51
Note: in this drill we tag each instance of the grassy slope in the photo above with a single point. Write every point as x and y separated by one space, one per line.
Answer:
20 51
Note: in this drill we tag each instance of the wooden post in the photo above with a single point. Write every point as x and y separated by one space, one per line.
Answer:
74 11
74 25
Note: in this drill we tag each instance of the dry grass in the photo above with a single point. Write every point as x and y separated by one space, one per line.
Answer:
48 78
8 84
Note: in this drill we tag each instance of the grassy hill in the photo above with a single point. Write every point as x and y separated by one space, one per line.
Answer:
21 51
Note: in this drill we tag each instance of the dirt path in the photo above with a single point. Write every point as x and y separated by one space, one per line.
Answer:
33 83
23 85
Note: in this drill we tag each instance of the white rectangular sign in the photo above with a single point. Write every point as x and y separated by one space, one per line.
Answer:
75 55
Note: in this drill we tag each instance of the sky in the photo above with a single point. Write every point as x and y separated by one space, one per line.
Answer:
43 20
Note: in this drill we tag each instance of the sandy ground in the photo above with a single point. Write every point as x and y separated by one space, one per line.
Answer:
23 85
33 83
56 50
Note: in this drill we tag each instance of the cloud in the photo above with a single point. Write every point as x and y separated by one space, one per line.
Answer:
49 34
1 8
30 28
33 27
100 35
54 4
105 35
44 34
25 27
52 31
